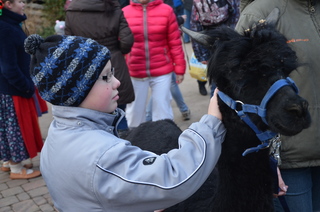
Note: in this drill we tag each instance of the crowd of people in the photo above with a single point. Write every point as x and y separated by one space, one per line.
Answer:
116 64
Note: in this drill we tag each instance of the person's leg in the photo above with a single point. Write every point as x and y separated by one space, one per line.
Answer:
12 145
202 87
4 145
178 98
149 110
161 97
136 110
5 126
177 95
179 10
18 171
299 195
316 188
186 24
13 150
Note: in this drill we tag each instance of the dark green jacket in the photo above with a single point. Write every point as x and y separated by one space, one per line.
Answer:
300 23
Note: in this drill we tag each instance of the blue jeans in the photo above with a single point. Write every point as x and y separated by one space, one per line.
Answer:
186 24
176 95
303 193
212 85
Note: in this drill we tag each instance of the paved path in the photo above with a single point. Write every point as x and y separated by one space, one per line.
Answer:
32 195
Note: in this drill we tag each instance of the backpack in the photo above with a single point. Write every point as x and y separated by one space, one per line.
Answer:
212 12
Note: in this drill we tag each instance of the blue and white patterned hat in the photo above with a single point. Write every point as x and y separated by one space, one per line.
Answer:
64 68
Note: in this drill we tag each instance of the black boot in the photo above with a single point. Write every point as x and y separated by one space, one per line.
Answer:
202 87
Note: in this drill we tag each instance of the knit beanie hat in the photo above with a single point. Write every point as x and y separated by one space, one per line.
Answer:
64 68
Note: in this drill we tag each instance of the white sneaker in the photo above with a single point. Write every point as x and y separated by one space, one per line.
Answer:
186 115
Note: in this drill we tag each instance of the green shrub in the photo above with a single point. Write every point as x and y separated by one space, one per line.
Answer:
46 31
53 10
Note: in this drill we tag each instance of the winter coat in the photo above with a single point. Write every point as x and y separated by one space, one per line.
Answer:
15 79
200 52
177 3
87 168
299 22
89 19
157 48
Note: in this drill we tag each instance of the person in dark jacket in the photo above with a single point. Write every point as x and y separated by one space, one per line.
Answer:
104 22
20 135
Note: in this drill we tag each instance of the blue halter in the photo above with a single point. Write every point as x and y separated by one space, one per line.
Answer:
261 111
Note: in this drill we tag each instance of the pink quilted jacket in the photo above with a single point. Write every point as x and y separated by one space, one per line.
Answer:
157 48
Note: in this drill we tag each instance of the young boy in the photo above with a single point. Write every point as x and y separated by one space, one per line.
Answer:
84 164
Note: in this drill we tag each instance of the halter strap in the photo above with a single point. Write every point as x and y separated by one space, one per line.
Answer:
264 136
273 89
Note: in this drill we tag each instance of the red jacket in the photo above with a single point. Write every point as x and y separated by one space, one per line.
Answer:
157 48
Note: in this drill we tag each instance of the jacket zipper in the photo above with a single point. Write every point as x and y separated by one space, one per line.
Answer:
312 10
146 43
311 6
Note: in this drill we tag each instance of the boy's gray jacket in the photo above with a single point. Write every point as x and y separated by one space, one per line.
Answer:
299 22
87 168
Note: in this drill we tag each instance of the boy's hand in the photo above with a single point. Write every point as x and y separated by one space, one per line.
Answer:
213 106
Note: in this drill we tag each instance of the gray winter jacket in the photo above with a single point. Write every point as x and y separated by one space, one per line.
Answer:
87 168
300 23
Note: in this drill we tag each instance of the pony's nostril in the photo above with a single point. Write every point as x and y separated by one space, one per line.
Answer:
298 109
305 105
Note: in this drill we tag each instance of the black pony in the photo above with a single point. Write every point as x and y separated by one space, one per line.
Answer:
258 102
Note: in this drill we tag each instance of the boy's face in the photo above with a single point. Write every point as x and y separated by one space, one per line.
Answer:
16 6
104 94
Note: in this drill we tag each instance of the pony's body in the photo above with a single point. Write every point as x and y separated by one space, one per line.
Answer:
244 67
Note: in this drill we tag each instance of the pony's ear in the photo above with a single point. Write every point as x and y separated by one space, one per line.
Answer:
273 16
207 40
208 37
269 22
200 37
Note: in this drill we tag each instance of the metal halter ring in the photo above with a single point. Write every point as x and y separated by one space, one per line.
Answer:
238 102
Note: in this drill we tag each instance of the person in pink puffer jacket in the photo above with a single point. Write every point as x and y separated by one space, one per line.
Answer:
156 53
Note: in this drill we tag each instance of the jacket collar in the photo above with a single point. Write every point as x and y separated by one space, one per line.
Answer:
12 17
151 3
78 117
